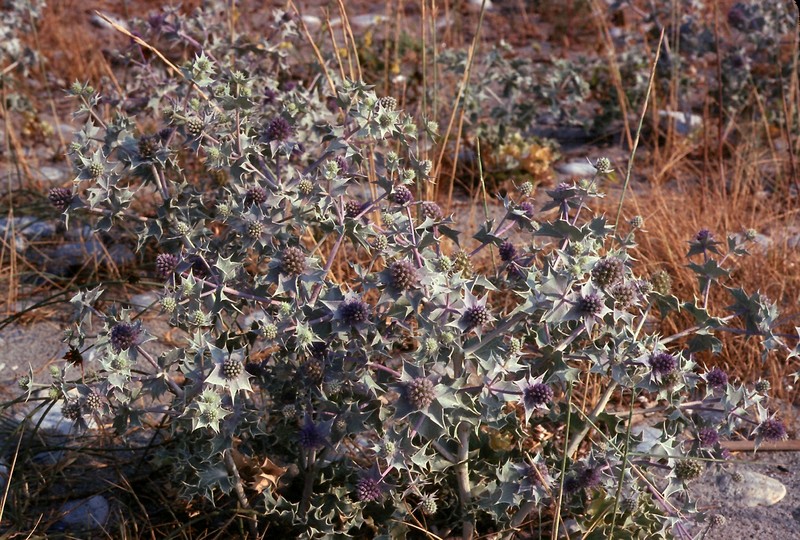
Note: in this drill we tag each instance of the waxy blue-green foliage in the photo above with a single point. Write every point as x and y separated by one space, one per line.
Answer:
409 393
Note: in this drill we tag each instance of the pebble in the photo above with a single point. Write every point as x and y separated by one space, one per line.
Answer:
4 470
89 513
754 489
142 301
312 22
685 123
28 226
576 168
53 174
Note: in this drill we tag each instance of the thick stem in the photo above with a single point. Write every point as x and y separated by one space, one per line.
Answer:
239 490
462 478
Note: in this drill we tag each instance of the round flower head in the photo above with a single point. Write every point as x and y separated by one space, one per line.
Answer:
352 208
591 304
625 294
663 363
388 102
772 429
293 261
124 335
507 251
279 129
147 147
537 395
608 271
527 208
93 401
661 282
476 316
432 210
305 187
71 410
166 264
403 275
716 378
401 195
60 197
354 311
231 368
194 126
420 392
368 490
255 195
707 437
688 470
310 435
762 387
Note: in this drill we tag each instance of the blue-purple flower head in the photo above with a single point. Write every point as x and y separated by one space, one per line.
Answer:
124 335
536 394
590 305
663 363
707 437
772 429
311 435
716 378
354 311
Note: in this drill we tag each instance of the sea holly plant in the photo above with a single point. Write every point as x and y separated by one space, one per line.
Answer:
407 389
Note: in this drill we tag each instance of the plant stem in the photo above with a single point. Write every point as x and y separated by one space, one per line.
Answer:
462 477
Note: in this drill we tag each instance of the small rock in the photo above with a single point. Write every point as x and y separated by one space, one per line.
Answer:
28 226
685 123
576 168
4 470
312 22
752 489
90 513
142 301
53 174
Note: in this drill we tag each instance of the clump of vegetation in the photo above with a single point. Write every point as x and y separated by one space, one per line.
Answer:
344 368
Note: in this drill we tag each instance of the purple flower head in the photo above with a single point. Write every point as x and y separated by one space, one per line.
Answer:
401 195
663 363
166 264
279 129
354 311
311 435
432 210
716 378
269 95
507 251
367 490
60 197
124 335
537 395
707 437
528 208
772 429
590 305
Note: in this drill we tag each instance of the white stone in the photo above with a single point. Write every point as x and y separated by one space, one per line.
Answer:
685 123
312 22
140 302
754 489
577 168
91 513
54 174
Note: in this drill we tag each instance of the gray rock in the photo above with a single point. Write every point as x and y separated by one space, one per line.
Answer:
74 254
89 513
685 123
576 168
140 302
29 227
751 489
53 174
4 470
